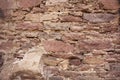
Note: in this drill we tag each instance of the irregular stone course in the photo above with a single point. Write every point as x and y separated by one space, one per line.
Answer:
59 40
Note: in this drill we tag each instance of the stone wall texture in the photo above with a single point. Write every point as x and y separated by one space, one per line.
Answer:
59 40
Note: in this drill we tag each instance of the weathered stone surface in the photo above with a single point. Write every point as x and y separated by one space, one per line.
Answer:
95 44
109 28
28 3
70 18
99 52
74 74
98 18
114 66
31 60
8 46
39 10
111 60
33 17
32 69
51 61
49 17
66 55
76 13
112 4
73 36
56 26
77 28
32 34
18 15
64 64
75 62
84 67
55 78
88 78
95 60
57 46
6 4
59 40
29 26
54 2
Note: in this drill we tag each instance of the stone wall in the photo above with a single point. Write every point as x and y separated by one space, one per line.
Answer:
80 38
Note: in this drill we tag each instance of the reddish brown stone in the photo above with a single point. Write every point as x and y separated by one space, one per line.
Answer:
29 26
114 66
75 62
65 56
109 28
73 36
95 44
84 67
99 17
28 3
115 74
111 60
8 4
55 78
57 46
7 46
52 69
70 18
111 4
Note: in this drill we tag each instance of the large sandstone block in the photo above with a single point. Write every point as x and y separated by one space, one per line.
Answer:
95 44
111 4
28 3
57 46
99 17
27 26
8 4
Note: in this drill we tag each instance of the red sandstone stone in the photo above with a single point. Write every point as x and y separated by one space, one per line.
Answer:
73 36
29 26
57 46
8 4
99 17
66 55
95 44
75 62
28 3
9 45
109 28
111 4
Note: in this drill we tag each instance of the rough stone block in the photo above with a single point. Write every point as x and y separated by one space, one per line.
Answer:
99 17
